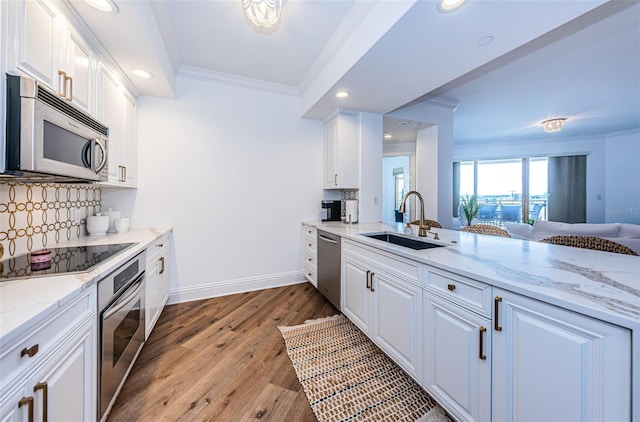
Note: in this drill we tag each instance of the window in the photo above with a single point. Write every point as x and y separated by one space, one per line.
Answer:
509 190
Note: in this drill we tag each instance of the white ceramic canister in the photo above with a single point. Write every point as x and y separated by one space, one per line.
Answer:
113 216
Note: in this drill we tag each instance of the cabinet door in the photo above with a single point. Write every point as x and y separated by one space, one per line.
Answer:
330 155
551 364
64 388
79 67
14 405
34 27
110 114
457 359
155 295
356 296
397 313
165 281
128 143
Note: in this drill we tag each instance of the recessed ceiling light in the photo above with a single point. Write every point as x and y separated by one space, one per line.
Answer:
106 6
449 5
142 73
485 40
342 94
403 123
387 135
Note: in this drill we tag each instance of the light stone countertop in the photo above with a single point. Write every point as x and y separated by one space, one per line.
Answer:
602 285
24 303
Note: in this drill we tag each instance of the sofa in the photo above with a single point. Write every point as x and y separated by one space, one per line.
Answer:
623 233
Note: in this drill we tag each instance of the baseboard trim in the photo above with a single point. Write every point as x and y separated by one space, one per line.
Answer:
230 287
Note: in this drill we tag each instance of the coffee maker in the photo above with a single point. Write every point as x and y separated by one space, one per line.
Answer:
334 210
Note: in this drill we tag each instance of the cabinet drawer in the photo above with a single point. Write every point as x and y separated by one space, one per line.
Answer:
310 232
42 340
408 270
310 273
468 293
310 246
310 259
157 248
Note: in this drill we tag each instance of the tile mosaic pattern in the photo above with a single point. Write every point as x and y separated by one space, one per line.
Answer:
37 215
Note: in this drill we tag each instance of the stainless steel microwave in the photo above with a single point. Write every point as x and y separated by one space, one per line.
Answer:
49 138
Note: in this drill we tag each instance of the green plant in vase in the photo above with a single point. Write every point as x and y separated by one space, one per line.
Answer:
470 207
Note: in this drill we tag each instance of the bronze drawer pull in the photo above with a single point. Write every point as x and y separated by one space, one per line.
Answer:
31 351
451 287
372 289
28 401
482 356
368 274
496 307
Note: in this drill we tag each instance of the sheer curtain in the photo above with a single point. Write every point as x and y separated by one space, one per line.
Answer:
568 189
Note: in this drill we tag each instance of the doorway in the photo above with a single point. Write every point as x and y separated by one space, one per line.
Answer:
396 181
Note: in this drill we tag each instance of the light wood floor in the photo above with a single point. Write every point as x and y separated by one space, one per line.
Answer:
222 359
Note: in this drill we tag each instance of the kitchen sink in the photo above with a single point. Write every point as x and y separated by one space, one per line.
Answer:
403 241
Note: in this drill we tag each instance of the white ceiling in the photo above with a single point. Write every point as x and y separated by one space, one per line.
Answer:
576 59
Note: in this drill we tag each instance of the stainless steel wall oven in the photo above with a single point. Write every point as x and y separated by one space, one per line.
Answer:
121 301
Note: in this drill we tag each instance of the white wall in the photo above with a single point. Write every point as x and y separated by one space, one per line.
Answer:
234 171
370 168
623 178
593 147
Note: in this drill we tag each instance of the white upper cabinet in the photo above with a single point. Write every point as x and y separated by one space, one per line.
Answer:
117 110
341 157
34 28
41 44
79 70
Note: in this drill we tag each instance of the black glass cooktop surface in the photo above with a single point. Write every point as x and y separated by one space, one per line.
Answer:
55 261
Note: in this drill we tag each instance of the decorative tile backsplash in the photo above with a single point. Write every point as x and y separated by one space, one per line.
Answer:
37 215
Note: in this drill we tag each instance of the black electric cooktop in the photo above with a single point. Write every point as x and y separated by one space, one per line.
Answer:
58 260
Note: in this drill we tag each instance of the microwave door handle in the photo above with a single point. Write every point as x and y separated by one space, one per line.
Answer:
104 156
86 151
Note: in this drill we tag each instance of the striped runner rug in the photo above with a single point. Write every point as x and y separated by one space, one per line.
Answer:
347 378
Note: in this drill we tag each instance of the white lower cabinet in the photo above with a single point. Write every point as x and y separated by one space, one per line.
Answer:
157 281
457 343
383 303
311 255
551 364
54 380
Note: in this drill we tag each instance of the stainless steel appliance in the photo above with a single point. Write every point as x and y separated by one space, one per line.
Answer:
49 138
121 300
334 210
329 267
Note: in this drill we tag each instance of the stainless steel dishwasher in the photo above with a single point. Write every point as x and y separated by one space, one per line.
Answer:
329 267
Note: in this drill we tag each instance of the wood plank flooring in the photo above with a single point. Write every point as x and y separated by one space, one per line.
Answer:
222 359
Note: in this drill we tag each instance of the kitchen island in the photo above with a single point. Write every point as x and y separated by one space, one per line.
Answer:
535 287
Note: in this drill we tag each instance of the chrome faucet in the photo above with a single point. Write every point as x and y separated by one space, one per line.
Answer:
422 229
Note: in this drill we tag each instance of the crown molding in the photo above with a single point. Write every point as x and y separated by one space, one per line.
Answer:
198 73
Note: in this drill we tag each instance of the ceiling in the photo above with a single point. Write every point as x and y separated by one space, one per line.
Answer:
578 60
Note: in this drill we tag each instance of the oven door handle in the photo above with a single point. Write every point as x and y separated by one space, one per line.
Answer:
124 299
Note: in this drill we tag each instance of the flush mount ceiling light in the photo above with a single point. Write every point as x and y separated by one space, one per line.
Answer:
106 6
342 94
449 5
262 13
387 135
553 125
142 73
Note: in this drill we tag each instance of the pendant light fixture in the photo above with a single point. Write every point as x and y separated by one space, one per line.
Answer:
262 13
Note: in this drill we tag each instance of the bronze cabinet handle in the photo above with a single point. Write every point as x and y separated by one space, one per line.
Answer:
496 307
62 84
45 398
482 356
27 401
31 351
368 274
162 262
70 96
335 179
451 287
372 289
